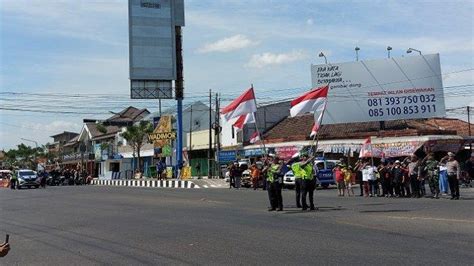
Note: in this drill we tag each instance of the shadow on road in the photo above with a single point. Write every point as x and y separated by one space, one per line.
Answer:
318 209
383 211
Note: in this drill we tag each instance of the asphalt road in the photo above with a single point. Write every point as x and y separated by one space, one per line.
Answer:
132 226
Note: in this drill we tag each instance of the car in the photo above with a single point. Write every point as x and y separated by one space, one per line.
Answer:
27 178
289 180
325 176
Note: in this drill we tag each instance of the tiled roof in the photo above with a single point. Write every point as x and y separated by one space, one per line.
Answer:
129 114
65 133
461 127
111 130
72 141
299 128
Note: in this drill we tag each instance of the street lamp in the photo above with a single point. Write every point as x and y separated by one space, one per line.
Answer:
357 49
411 50
35 142
388 50
321 54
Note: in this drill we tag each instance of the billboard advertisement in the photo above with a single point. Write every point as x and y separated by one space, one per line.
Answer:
379 90
152 46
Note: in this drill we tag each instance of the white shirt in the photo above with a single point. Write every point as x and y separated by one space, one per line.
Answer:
368 173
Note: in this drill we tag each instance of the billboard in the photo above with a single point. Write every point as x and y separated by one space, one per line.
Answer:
379 90
152 46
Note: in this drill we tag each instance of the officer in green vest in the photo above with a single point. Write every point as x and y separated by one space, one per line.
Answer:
13 178
309 184
273 185
298 171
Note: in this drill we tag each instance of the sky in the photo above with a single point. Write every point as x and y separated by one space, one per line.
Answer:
78 52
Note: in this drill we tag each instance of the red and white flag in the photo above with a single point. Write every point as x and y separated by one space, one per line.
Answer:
312 101
254 138
244 119
241 106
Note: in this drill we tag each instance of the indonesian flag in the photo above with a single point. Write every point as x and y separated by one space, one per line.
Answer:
366 149
312 101
241 106
244 119
254 138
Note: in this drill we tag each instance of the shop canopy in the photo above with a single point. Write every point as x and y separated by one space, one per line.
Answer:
381 147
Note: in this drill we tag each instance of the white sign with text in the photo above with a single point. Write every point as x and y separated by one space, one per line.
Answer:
379 90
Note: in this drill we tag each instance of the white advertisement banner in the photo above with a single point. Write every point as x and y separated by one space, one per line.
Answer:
378 90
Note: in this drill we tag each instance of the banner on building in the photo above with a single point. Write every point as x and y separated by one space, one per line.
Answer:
388 150
378 90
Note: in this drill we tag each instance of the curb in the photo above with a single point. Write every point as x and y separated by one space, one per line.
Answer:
146 183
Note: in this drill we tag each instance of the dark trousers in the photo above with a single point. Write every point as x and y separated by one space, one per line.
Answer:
415 186
453 186
387 187
298 185
13 183
274 195
397 187
361 184
232 182
308 189
421 185
406 189
374 187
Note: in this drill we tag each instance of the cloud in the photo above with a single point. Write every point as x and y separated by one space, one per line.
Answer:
309 21
232 43
267 59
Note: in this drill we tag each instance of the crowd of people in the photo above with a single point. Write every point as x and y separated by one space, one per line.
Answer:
390 178
408 178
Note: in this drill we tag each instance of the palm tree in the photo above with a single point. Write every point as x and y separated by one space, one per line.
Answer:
137 136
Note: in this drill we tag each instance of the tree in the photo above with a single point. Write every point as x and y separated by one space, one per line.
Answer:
23 156
137 136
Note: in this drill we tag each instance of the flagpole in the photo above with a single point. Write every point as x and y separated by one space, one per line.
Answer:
262 142
319 129
371 152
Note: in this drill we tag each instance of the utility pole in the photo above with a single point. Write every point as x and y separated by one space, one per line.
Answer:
190 131
179 95
209 151
469 126
217 133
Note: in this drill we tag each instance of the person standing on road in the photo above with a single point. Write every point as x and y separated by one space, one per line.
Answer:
254 174
454 173
237 174
469 168
339 176
309 184
13 179
430 166
347 170
271 170
358 169
397 178
231 169
413 174
298 173
368 175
